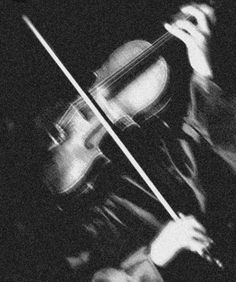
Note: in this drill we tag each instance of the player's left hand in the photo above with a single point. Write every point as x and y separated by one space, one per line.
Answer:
195 36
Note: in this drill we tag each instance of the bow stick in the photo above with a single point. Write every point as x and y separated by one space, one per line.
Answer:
98 112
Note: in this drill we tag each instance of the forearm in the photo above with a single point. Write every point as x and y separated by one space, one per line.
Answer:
213 116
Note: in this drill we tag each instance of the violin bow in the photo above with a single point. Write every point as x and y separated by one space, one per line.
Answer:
99 113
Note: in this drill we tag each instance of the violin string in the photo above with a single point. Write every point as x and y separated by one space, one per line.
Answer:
142 56
115 76
110 80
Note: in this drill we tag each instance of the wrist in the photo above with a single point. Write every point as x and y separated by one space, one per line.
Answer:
203 69
206 75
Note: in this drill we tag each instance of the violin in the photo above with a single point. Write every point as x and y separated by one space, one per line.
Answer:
121 93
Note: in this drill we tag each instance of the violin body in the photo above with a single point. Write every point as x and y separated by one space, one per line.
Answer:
139 92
